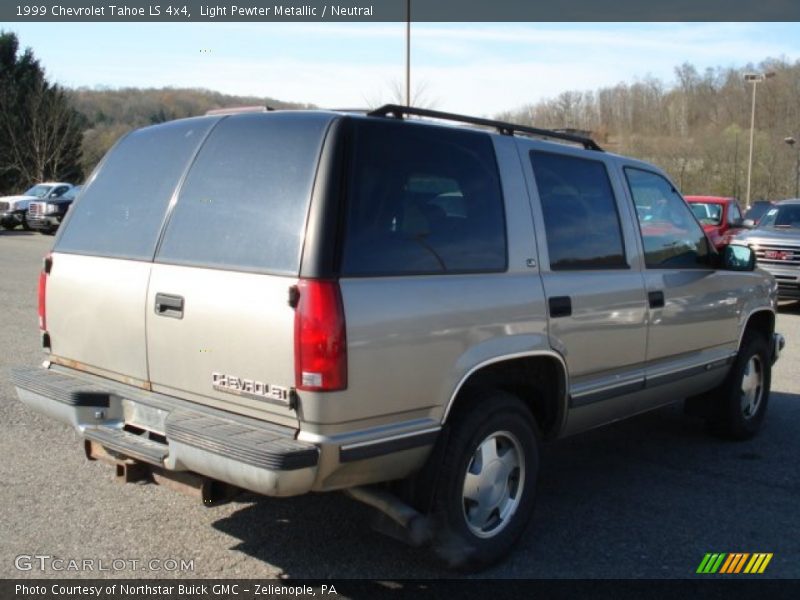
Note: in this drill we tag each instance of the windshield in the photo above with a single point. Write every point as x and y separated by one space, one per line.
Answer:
707 213
757 210
70 194
40 191
787 215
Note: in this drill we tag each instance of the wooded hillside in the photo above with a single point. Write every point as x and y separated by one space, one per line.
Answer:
697 129
111 113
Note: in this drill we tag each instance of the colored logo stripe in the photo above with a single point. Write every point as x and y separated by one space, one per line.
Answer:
730 563
711 563
758 563
734 563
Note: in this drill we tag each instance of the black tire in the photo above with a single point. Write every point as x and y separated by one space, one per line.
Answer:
8 226
740 404
25 225
470 534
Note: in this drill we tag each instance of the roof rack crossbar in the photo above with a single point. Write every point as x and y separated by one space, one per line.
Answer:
504 128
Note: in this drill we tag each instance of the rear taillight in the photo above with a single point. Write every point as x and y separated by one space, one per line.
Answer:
47 264
320 345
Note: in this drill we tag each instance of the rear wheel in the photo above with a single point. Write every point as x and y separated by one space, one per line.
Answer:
741 402
484 491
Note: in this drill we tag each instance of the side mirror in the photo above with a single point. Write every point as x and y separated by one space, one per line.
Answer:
738 258
748 224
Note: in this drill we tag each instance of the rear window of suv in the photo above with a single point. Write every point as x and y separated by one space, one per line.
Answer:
245 200
422 200
122 208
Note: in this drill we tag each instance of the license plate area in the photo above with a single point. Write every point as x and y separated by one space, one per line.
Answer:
144 417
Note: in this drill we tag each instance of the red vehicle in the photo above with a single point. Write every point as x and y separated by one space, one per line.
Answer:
721 217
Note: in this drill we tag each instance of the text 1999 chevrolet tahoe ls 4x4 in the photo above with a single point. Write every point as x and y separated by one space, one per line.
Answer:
309 301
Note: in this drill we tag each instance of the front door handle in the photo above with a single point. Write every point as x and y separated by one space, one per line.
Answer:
168 305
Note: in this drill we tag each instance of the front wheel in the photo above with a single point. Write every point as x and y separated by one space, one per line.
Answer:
25 225
741 402
484 494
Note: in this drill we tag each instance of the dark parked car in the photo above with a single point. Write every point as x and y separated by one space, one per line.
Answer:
47 215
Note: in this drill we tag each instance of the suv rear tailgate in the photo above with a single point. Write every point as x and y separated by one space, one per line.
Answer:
220 329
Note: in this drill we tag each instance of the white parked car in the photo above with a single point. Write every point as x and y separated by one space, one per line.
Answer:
13 209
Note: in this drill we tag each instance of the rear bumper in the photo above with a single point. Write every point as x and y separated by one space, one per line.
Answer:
255 455
244 452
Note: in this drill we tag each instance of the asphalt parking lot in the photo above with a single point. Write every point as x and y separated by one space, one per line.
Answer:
647 497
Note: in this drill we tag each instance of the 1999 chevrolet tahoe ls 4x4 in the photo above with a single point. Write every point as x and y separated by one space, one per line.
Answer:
308 301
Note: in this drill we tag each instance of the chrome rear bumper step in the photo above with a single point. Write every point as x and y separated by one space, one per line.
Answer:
128 444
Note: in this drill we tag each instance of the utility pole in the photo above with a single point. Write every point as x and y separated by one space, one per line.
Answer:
735 193
755 79
791 141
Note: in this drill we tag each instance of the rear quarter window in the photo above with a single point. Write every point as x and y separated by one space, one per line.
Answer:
422 200
121 210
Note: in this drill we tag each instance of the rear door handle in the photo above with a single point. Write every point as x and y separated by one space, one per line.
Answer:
168 305
560 306
656 299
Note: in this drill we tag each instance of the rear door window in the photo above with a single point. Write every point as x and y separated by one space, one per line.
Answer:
580 213
121 210
245 200
423 200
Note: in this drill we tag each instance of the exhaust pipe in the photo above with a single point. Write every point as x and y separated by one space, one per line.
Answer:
210 491
404 523
127 470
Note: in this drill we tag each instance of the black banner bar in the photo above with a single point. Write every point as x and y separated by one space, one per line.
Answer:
706 587
396 10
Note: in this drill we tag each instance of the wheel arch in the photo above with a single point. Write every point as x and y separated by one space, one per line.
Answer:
759 319
538 378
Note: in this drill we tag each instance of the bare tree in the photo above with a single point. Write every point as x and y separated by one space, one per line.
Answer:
44 134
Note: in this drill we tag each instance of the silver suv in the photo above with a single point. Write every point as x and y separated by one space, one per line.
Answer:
388 304
776 242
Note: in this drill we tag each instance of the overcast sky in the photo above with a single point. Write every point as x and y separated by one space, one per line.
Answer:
467 67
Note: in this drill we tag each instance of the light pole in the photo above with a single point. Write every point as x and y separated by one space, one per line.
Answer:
755 79
408 52
791 141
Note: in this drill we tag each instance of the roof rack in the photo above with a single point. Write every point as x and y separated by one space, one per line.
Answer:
236 110
350 110
504 128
